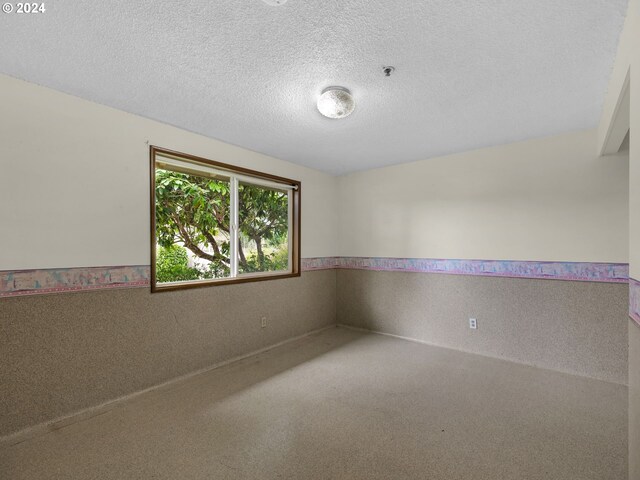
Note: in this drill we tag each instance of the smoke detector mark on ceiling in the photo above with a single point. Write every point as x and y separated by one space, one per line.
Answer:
275 3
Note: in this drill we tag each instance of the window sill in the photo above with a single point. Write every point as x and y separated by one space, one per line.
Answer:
250 277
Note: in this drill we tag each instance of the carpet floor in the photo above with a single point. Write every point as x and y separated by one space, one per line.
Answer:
342 404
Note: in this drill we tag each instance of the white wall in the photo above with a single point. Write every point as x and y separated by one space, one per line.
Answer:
74 181
546 199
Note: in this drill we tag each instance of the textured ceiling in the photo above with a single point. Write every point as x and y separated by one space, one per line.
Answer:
469 73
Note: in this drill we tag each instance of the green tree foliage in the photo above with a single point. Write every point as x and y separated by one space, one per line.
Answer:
172 265
194 211
263 216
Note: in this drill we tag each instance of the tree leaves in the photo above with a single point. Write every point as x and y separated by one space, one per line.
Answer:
194 211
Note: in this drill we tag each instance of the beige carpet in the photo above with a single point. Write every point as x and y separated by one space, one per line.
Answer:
347 405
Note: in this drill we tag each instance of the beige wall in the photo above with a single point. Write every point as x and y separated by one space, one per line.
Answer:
74 181
628 60
74 192
87 165
634 401
546 199
574 327
66 352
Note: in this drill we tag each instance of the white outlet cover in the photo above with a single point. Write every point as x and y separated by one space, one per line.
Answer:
473 323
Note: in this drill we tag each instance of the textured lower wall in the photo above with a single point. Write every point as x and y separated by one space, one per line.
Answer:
634 400
634 300
575 327
66 352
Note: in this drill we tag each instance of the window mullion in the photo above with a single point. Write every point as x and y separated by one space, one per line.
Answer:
234 219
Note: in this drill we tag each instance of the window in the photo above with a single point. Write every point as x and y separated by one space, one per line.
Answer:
213 223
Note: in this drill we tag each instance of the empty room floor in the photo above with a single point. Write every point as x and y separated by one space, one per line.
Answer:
342 404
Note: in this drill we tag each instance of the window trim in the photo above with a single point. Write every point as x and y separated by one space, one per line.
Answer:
295 218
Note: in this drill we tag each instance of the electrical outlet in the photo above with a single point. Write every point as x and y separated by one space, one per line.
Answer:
473 323
263 322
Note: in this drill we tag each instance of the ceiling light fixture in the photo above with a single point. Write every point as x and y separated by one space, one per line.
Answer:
336 102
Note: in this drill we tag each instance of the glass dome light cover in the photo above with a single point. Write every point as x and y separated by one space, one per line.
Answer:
336 102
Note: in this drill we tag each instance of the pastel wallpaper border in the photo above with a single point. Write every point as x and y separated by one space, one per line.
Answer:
319 263
58 280
575 271
634 300
32 282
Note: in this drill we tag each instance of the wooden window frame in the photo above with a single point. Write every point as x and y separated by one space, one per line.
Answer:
295 242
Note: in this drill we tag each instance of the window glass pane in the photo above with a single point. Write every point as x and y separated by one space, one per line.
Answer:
192 226
263 233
